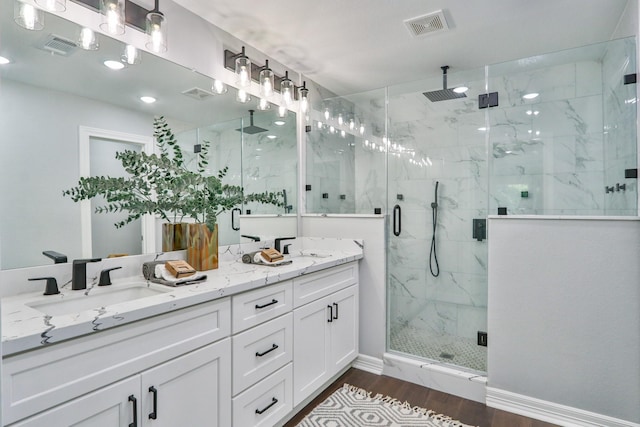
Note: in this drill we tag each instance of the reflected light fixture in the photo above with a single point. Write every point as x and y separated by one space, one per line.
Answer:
304 98
4 61
113 16
131 55
242 96
53 5
266 80
460 89
113 65
28 16
88 39
279 123
287 89
147 99
531 95
263 104
243 69
218 87
282 111
156 29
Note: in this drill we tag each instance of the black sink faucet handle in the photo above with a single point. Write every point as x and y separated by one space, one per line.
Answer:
277 241
105 278
51 287
285 249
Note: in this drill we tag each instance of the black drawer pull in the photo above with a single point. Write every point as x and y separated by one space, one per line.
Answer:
273 301
330 319
273 402
133 399
336 306
258 354
153 415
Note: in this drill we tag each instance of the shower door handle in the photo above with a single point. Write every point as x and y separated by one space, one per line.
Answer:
233 219
397 220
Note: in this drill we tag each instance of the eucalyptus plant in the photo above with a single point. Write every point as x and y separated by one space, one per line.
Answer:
161 184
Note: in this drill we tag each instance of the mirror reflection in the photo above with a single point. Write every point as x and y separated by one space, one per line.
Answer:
64 114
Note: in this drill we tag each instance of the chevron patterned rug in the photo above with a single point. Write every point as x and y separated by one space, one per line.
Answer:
354 407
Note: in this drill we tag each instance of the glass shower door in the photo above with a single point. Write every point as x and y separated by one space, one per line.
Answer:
437 207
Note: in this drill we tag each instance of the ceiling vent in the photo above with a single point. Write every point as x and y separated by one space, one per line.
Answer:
427 24
58 45
197 93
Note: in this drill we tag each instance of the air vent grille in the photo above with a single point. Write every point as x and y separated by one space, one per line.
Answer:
427 24
58 45
197 93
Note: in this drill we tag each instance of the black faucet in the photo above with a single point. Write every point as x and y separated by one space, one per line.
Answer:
277 241
79 273
254 238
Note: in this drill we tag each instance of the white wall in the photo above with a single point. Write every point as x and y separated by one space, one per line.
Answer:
564 312
372 271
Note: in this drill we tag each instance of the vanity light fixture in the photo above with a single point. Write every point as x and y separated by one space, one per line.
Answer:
287 90
243 69
218 87
266 80
4 61
531 95
147 99
113 65
131 55
53 5
28 16
156 29
113 16
88 40
271 136
361 129
304 97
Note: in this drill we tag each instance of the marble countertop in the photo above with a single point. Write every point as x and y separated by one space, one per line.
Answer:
26 328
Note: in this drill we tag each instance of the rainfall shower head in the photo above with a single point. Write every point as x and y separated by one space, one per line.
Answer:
251 129
443 94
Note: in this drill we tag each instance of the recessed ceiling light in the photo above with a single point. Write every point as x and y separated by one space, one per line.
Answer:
147 99
531 95
271 136
460 89
279 123
4 60
114 65
482 129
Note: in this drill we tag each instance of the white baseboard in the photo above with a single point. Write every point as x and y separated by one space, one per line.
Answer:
549 411
369 364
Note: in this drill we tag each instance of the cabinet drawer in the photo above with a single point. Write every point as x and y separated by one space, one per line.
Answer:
258 306
265 403
40 379
260 351
314 286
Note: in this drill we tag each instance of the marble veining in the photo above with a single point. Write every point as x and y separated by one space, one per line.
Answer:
25 328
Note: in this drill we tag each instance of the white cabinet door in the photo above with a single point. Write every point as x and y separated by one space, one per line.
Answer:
191 390
311 343
111 406
344 328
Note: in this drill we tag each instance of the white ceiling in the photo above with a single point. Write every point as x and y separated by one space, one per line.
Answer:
352 46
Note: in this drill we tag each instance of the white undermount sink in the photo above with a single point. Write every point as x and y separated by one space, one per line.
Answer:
77 301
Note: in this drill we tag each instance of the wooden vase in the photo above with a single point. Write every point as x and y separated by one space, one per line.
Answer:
202 247
174 236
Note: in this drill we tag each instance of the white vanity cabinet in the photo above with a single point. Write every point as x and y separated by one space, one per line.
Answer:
325 327
96 379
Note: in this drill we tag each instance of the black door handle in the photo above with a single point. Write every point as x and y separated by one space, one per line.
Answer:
336 306
397 220
233 219
273 301
133 400
330 319
273 402
273 347
154 414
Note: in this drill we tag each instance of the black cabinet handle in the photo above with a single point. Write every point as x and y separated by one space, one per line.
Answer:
273 402
273 347
336 306
153 415
273 301
233 218
133 400
397 220
330 319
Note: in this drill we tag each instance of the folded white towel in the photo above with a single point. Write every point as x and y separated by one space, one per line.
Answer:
164 274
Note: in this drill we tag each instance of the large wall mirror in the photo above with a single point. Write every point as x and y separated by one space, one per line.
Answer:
63 113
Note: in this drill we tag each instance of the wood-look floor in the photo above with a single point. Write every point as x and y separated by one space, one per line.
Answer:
463 410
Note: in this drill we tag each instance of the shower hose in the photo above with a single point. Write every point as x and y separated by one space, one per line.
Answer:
433 254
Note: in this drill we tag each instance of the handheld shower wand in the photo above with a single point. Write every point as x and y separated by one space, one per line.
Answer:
433 255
